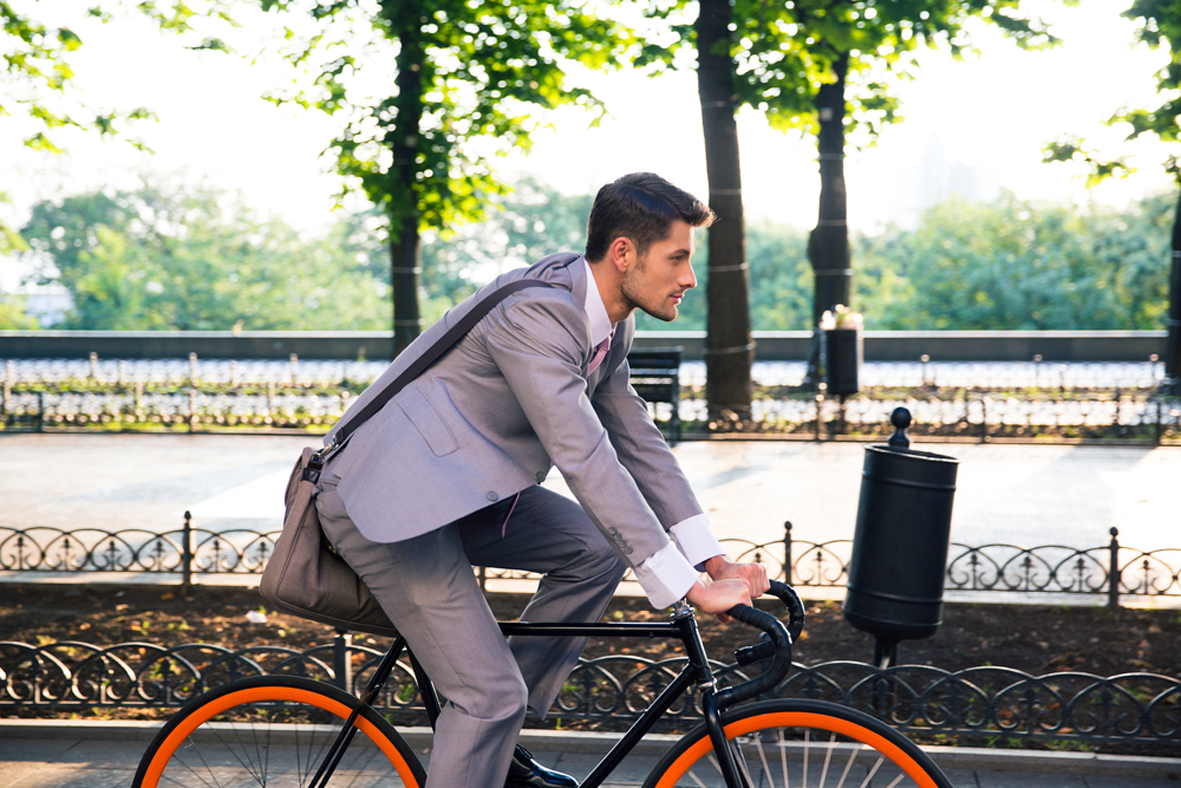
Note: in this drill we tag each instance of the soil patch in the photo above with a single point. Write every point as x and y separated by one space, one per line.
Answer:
1037 639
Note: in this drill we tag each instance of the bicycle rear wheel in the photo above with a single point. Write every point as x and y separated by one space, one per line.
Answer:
274 731
801 744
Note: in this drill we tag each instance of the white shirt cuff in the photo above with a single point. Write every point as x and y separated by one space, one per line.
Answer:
695 540
666 576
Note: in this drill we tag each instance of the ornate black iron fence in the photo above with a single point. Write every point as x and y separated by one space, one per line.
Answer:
186 553
966 401
981 703
1104 573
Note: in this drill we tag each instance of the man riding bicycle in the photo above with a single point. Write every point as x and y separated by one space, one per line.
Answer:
448 474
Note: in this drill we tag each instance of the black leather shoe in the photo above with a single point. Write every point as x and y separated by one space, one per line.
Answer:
524 772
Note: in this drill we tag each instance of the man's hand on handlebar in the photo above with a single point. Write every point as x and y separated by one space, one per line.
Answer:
719 596
733 584
755 575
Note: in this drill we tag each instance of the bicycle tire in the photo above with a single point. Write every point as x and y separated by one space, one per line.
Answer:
274 731
801 744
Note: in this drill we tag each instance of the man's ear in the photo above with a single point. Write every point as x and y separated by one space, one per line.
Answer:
621 253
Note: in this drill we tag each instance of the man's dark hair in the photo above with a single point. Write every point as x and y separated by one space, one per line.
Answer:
642 208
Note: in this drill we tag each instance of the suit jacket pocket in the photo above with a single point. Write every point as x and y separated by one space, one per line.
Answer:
429 423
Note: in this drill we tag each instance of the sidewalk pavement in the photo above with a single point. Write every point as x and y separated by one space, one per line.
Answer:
1028 494
93 754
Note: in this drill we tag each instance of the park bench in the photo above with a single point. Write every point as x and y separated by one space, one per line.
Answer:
655 377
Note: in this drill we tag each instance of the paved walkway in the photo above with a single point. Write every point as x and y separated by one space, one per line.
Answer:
45 754
1026 494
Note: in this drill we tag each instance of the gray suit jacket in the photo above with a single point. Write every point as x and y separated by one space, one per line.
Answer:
500 409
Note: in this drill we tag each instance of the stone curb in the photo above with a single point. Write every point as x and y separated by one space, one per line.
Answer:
654 745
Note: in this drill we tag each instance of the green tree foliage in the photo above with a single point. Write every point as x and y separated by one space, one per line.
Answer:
1159 24
823 67
37 75
1003 265
528 223
780 277
159 259
1160 28
1013 264
463 81
13 315
36 78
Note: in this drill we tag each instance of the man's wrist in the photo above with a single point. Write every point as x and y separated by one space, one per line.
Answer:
714 565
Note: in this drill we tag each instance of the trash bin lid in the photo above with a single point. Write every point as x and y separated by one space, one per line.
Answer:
910 467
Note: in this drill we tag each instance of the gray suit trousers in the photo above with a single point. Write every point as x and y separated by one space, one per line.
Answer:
427 587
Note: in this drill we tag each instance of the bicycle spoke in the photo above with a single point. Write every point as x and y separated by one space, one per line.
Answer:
275 732
801 744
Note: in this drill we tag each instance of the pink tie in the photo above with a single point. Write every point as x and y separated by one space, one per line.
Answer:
600 354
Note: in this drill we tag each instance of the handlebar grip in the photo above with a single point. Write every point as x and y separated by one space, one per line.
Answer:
748 655
778 645
795 608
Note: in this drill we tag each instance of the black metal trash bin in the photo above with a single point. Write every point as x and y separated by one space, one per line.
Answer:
896 572
841 355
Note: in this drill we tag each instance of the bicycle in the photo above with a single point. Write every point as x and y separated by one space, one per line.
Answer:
235 735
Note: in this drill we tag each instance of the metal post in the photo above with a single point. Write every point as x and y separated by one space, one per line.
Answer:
187 555
1160 421
900 419
342 666
40 411
819 410
983 419
1113 572
1118 403
9 379
787 552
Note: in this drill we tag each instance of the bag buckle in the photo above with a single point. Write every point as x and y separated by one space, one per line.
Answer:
311 472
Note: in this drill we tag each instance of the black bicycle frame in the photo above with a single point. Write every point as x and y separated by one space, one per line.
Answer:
683 627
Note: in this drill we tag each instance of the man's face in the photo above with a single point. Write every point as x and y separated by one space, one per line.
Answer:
657 281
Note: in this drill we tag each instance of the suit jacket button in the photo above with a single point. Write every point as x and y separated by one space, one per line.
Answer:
541 476
492 496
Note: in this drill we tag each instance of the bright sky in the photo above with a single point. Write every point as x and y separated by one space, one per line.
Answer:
981 122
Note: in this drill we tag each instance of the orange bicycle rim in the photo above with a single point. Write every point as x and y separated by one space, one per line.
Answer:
806 719
259 694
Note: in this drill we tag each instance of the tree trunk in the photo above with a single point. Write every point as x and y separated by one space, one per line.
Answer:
1173 322
828 245
729 351
405 268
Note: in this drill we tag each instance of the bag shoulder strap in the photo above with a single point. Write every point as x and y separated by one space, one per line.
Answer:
416 368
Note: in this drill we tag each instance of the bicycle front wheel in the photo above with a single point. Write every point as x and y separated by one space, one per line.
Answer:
274 731
800 744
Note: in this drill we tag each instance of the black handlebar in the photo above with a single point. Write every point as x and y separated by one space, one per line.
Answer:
777 644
